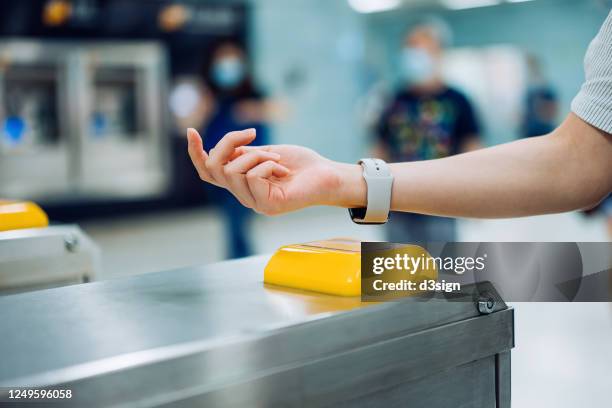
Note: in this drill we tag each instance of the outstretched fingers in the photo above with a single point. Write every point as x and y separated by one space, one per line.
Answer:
246 171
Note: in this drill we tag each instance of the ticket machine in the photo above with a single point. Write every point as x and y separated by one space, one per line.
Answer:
35 143
122 147
82 121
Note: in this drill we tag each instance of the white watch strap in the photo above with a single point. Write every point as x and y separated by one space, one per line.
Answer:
379 181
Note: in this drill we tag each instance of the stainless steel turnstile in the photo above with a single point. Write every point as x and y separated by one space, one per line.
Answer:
216 336
39 258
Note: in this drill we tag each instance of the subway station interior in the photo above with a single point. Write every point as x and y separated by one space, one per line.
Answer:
145 287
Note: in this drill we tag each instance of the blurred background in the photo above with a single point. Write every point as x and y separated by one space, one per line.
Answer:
95 97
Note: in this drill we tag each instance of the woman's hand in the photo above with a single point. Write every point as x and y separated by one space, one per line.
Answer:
278 178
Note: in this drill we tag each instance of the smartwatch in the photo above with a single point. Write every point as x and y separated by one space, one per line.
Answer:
379 181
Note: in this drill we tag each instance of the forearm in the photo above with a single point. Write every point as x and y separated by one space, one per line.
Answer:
511 180
566 170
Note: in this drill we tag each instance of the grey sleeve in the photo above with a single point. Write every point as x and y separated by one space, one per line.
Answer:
593 104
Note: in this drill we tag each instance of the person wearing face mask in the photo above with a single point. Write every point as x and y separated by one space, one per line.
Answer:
235 104
427 119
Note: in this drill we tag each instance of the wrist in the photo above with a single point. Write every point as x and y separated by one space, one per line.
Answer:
351 189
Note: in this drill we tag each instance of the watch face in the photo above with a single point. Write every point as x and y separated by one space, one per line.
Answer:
357 213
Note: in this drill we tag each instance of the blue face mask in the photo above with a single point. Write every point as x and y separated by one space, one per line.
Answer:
417 66
228 72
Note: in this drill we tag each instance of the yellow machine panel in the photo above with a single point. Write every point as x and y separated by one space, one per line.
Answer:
331 266
20 215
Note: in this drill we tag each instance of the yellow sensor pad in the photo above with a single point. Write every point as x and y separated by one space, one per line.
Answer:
331 266
21 214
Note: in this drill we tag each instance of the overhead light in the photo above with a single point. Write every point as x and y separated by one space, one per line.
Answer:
518 1
466 4
373 6
173 17
57 12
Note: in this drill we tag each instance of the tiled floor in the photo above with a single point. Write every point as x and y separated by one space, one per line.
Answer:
562 356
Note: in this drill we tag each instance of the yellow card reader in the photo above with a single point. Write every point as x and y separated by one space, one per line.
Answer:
331 266
21 214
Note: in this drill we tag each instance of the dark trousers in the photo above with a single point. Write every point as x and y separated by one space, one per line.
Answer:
237 227
236 220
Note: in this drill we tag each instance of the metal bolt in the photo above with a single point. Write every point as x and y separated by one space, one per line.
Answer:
71 242
486 305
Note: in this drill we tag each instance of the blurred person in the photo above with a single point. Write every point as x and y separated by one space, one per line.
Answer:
232 101
427 119
568 169
541 102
